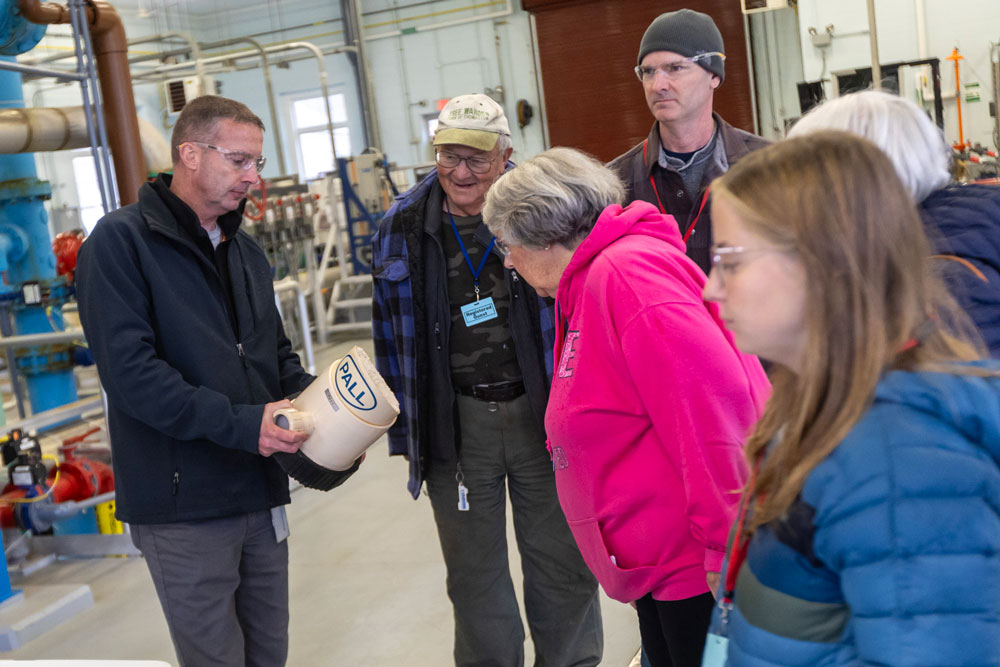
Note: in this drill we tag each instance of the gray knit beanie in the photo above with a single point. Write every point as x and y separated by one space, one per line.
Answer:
688 33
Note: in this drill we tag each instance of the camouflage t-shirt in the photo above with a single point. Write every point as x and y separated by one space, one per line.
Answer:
482 353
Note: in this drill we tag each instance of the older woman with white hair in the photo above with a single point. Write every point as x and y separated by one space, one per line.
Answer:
962 221
650 402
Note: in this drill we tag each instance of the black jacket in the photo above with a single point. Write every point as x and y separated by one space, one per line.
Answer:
186 388
637 166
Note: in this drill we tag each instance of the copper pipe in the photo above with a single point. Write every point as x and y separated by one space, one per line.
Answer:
111 53
44 12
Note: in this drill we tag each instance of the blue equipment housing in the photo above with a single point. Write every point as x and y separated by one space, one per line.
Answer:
30 289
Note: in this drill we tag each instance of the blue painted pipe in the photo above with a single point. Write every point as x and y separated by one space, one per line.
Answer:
6 591
24 235
28 257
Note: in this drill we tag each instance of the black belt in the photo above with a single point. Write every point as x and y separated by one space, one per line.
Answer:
497 391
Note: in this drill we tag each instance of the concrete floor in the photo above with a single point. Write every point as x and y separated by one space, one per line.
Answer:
367 584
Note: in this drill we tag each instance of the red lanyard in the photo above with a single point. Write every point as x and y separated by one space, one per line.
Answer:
739 548
704 197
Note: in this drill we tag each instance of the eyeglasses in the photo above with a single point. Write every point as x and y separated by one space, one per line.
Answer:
721 265
675 69
244 161
477 164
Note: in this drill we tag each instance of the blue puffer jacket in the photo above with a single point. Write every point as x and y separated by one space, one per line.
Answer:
892 554
965 221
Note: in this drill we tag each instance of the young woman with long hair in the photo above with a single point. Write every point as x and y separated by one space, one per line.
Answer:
870 530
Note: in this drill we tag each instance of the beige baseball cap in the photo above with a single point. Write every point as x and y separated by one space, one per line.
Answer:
476 121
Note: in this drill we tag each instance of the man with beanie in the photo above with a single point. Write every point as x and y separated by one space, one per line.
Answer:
466 345
681 63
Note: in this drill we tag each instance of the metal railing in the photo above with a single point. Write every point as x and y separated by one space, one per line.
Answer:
290 285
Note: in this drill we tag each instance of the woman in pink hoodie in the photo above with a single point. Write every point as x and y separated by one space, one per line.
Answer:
651 401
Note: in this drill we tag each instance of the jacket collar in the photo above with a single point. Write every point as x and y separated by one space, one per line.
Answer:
176 219
732 144
433 213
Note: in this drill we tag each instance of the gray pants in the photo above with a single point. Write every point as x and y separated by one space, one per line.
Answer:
223 586
502 447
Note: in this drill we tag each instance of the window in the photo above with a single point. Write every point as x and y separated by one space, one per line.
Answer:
87 192
431 125
312 139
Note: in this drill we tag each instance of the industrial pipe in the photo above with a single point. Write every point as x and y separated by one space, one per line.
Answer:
312 48
324 89
40 71
269 89
873 39
83 49
111 52
40 129
193 49
45 129
47 338
43 515
239 55
351 15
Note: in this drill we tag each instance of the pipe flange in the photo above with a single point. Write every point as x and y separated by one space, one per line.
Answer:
25 188
17 245
20 34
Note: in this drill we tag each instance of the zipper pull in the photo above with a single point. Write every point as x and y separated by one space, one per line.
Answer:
177 482
243 357
513 274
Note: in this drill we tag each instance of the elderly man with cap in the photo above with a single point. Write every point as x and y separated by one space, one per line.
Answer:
681 63
466 345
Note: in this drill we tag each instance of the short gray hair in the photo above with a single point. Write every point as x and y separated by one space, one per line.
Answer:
503 143
555 197
915 145
199 120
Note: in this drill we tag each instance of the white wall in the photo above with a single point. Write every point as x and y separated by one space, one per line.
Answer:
412 72
968 24
488 48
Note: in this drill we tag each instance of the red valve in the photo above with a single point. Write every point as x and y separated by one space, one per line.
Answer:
65 247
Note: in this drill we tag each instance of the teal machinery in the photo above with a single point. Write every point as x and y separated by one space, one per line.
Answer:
31 292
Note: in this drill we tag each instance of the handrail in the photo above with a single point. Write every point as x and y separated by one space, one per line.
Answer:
47 338
41 71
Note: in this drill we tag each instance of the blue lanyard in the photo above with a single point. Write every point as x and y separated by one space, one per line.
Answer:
465 253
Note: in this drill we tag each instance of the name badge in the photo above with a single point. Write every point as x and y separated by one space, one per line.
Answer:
280 522
479 311
715 651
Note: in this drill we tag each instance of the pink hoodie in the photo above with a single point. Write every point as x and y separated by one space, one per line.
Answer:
650 406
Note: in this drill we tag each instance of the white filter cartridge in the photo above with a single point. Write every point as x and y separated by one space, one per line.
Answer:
345 411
